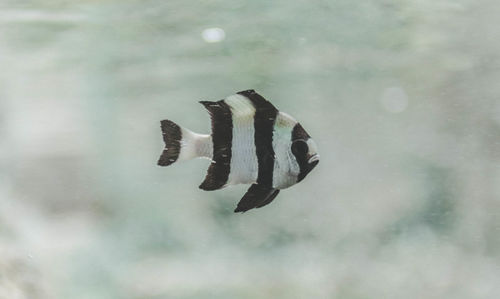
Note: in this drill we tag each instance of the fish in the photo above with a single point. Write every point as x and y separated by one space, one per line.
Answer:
251 142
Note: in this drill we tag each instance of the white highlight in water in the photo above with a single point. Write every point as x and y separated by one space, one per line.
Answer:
213 35
394 99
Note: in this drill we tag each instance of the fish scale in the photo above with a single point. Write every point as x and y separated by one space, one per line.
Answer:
244 165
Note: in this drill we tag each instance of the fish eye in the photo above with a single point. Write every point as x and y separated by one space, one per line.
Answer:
299 148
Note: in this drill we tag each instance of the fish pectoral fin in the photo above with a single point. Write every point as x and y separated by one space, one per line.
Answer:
257 196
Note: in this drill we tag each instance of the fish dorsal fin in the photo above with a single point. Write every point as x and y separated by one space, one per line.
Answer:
242 108
222 136
258 101
257 196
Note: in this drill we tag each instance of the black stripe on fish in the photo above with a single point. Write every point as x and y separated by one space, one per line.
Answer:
300 149
172 136
265 116
257 196
299 133
222 137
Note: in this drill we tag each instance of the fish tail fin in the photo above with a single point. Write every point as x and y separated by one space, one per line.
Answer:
182 144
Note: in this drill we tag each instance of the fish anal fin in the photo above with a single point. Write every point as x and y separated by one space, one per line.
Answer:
215 179
257 196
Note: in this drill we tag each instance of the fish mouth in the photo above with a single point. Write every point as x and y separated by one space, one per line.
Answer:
306 168
313 159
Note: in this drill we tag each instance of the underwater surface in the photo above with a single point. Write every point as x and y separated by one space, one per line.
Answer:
402 98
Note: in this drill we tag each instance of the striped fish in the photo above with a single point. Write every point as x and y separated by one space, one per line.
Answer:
251 143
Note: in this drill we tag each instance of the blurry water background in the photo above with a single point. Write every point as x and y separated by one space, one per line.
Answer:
402 98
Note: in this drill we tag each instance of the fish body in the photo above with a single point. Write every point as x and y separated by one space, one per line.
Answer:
251 142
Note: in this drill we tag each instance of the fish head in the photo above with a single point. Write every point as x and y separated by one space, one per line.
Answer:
305 151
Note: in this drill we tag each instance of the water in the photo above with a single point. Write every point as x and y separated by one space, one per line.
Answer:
402 99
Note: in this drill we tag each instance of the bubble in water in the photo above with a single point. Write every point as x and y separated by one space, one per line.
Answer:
213 35
394 99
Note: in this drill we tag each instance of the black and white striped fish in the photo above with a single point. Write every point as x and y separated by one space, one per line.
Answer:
251 143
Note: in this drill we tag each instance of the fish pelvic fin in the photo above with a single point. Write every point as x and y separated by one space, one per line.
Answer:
182 144
257 196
